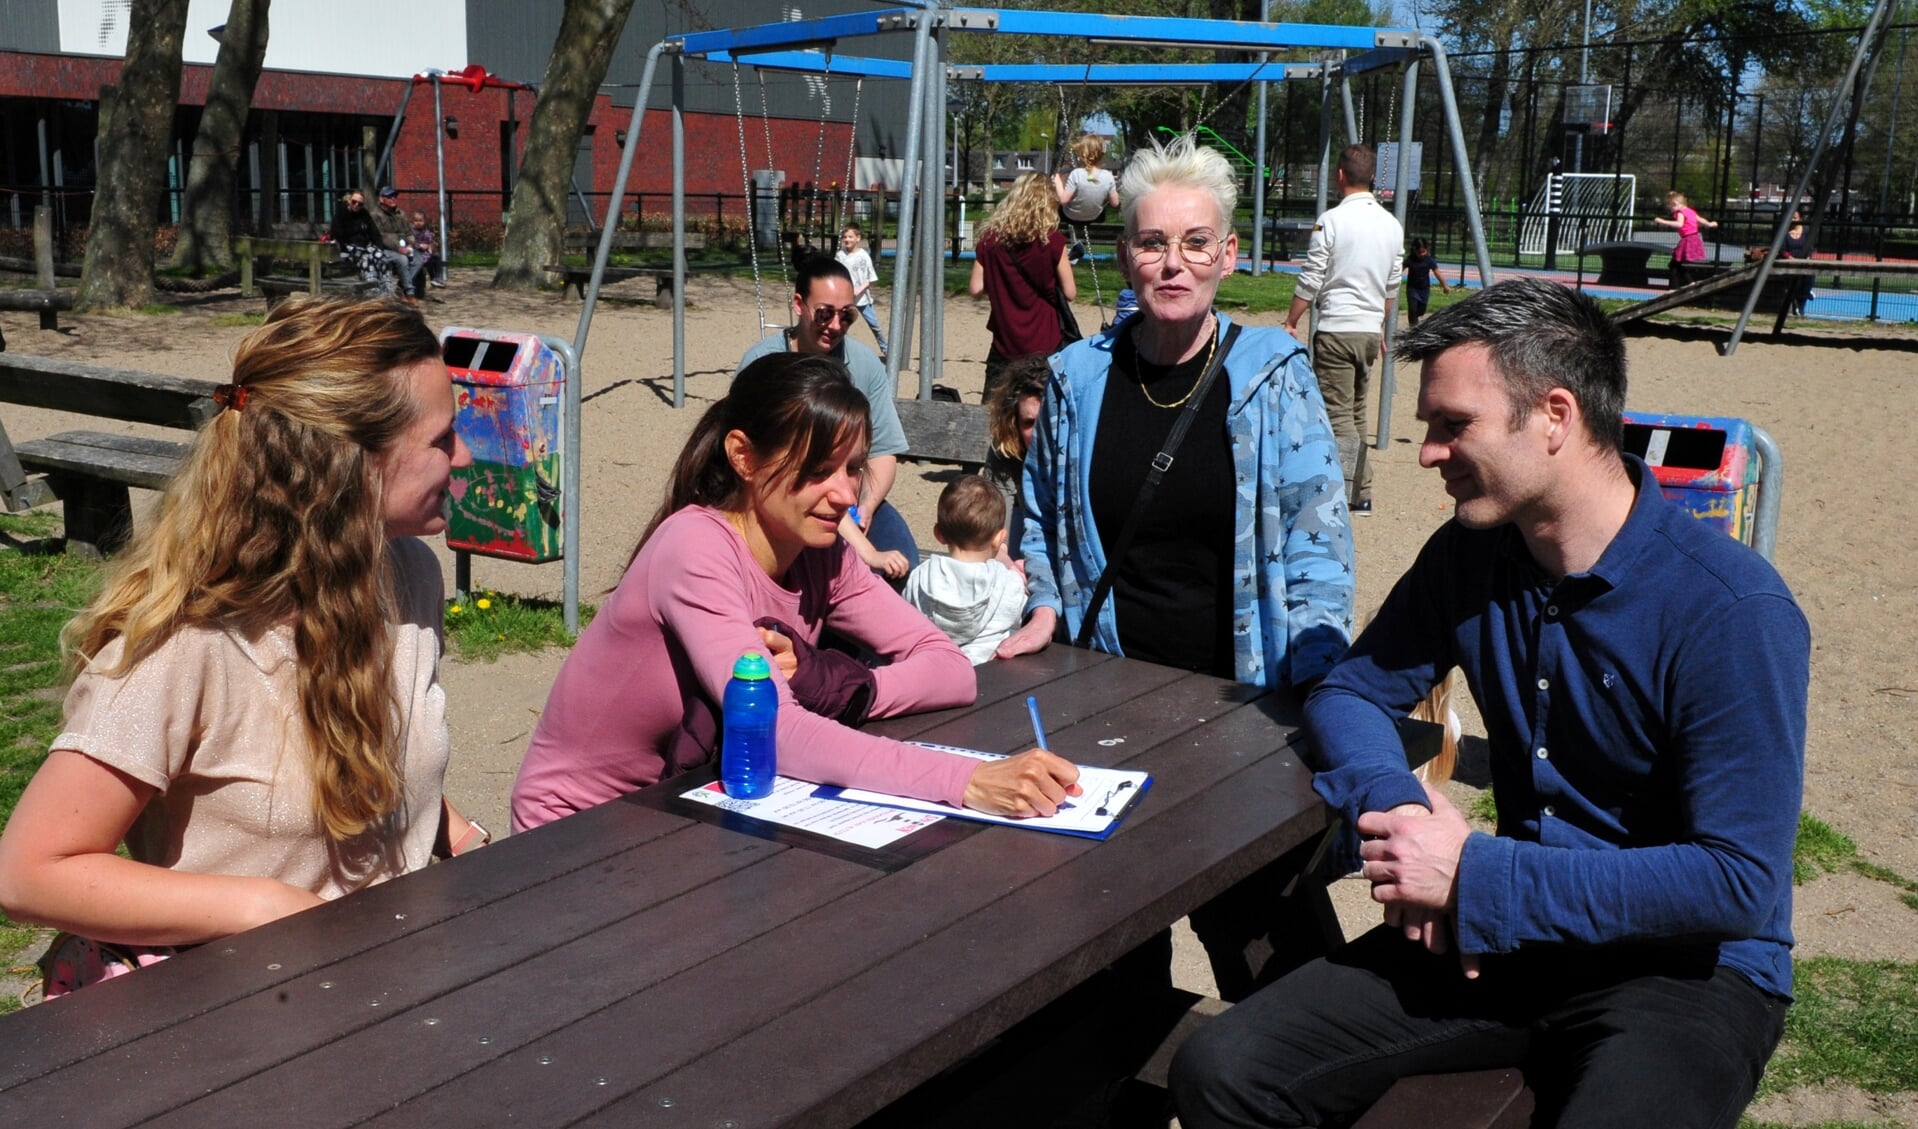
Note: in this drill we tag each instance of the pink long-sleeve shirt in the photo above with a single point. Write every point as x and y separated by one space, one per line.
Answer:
686 609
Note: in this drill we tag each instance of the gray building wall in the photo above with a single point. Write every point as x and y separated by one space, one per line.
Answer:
514 38
30 25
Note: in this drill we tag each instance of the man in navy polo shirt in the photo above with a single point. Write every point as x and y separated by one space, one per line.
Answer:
1626 935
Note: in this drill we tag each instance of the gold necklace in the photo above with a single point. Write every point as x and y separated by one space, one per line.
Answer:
1180 402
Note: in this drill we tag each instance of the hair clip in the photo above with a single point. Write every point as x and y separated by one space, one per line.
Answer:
231 396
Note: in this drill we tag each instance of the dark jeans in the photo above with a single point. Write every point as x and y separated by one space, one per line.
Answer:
1625 1038
888 531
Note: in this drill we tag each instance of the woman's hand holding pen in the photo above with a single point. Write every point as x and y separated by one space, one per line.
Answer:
1034 782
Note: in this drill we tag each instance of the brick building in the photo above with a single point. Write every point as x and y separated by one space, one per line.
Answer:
337 72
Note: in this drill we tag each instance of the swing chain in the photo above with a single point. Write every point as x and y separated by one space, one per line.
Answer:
819 149
746 189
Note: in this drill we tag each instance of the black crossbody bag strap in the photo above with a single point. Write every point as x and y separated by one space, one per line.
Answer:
1161 463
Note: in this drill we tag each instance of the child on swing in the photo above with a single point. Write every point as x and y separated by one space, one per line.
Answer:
1087 190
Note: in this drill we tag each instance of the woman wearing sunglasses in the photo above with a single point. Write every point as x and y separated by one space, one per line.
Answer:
1224 547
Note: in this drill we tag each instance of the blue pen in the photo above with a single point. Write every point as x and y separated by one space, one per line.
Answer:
1038 727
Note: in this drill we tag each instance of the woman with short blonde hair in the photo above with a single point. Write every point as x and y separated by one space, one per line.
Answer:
255 707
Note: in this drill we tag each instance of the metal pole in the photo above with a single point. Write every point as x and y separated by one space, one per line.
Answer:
1891 131
605 249
572 471
679 231
1351 118
1402 207
1258 161
908 181
392 135
1442 73
931 265
1325 141
932 364
1584 78
1867 41
439 164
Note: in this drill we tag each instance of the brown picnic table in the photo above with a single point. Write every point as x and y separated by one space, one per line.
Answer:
637 965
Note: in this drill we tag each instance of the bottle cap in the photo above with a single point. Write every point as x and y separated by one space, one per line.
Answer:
752 666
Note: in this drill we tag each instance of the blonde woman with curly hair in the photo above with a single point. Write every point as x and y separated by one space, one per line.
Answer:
255 707
1019 263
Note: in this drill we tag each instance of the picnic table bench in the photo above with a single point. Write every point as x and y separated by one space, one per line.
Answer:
649 963
318 257
1279 234
91 471
588 243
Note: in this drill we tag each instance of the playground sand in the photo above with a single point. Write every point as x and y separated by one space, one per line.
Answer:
1839 402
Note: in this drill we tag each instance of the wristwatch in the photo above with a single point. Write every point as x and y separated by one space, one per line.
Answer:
475 838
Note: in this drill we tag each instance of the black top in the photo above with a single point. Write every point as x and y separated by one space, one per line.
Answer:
1418 272
352 226
1172 592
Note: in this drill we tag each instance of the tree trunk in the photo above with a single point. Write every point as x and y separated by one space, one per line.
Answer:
136 125
536 225
206 227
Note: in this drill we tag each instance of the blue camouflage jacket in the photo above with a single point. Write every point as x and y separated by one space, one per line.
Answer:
1292 551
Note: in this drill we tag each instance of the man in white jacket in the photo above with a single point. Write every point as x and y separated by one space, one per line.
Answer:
1352 275
971 596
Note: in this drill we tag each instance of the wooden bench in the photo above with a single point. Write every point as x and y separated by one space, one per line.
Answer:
580 241
1622 263
251 249
48 303
90 471
939 431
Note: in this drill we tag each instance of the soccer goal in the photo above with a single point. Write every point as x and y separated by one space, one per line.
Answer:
1591 207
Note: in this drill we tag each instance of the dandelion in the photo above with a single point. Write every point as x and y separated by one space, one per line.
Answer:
483 603
456 609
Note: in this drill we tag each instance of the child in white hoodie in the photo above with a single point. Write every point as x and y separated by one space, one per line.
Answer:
976 600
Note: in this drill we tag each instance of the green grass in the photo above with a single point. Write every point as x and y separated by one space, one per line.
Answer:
489 624
1822 849
157 309
39 593
1749 1124
1853 1022
242 320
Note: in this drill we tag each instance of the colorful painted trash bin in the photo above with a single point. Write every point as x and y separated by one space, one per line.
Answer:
1704 464
508 389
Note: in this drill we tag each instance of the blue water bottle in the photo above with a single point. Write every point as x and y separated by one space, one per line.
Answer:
747 761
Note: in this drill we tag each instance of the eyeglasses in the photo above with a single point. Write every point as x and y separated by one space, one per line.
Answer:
1197 248
823 316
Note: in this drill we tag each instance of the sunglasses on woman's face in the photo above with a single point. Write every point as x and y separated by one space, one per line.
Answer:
823 316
